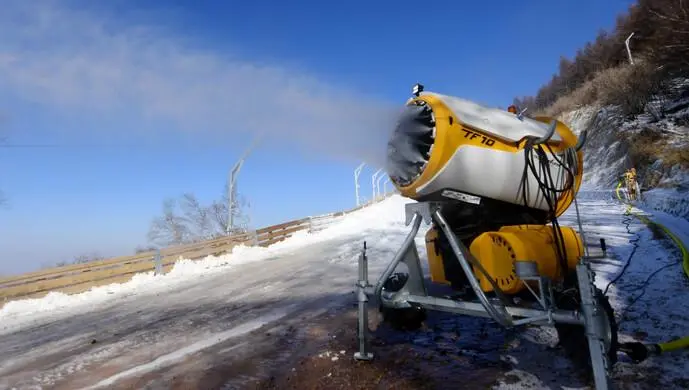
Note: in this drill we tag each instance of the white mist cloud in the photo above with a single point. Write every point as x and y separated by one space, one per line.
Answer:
81 63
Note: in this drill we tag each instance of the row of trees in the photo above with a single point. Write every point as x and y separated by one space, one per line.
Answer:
661 39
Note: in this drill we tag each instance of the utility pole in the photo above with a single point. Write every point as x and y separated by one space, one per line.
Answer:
231 191
357 172
629 51
373 183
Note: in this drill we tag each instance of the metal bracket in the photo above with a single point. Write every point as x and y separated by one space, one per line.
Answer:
424 209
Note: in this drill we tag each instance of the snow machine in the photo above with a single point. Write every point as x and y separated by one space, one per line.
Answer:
491 184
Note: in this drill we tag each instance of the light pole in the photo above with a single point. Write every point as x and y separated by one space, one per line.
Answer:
232 187
357 172
373 183
385 185
378 184
629 51
231 194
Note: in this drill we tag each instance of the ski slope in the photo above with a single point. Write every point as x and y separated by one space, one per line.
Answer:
214 316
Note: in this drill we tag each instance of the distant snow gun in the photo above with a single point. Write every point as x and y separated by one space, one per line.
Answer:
491 184
629 186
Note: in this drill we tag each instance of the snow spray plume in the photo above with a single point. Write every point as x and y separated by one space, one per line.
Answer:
132 81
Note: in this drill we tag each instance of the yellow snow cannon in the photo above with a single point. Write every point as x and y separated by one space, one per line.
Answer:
509 174
491 184
448 147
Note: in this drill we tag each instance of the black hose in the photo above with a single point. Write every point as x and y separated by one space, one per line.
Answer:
548 189
627 222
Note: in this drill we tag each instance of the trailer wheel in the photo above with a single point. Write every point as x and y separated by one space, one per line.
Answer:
401 319
572 338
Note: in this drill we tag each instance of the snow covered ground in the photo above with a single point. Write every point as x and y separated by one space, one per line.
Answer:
203 313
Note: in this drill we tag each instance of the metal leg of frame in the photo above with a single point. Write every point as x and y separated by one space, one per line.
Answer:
363 333
595 323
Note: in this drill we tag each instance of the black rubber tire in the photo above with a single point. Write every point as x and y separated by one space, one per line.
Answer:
407 319
572 338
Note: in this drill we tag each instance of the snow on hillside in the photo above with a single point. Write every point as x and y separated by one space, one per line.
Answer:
663 129
605 156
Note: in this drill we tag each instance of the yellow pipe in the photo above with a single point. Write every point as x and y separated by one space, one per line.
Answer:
683 249
675 344
640 354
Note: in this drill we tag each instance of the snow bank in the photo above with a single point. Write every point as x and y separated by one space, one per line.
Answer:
380 220
669 201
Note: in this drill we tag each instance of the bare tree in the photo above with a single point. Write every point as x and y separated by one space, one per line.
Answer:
668 43
198 217
240 218
187 220
170 228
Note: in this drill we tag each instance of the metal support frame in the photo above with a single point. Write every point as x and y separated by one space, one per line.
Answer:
364 352
357 172
596 323
501 309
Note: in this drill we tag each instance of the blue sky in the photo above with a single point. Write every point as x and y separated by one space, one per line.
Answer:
134 104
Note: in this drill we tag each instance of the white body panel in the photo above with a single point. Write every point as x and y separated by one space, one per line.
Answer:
502 124
489 173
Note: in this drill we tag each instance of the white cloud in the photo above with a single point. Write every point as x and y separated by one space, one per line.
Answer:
80 62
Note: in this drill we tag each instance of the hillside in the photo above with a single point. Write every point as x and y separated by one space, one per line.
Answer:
634 104
655 142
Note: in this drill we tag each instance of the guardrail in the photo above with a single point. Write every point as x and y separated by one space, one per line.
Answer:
76 278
